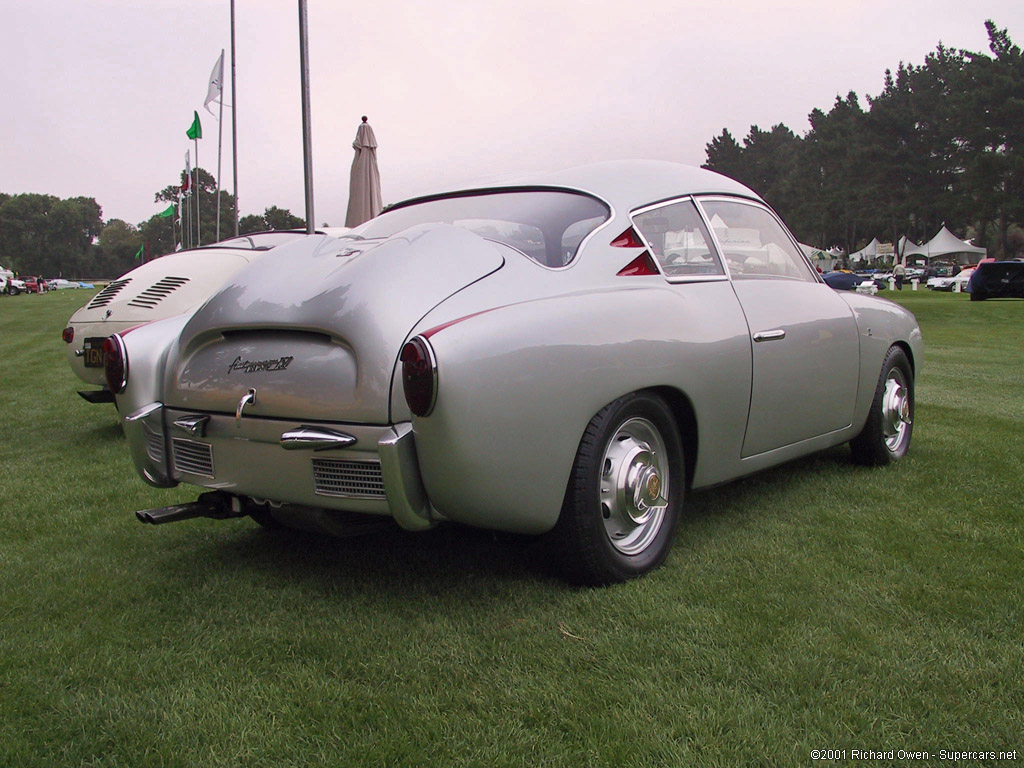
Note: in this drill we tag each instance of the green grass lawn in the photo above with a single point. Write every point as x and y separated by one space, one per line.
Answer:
815 606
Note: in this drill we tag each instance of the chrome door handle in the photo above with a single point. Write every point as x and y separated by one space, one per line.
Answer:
770 335
314 439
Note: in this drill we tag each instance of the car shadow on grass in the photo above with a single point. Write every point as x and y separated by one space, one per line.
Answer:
446 558
452 556
723 504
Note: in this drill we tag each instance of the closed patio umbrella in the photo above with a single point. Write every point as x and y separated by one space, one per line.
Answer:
364 201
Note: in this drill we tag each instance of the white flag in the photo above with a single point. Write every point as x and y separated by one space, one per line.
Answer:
213 93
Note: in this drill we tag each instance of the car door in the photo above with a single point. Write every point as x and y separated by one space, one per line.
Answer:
803 336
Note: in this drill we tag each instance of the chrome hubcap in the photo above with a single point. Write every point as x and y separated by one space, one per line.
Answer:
634 486
896 418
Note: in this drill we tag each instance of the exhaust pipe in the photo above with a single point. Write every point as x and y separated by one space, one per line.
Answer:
215 504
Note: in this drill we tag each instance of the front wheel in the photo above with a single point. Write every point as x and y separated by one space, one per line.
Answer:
887 431
625 493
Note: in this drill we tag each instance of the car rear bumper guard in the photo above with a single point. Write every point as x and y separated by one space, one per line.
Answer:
375 472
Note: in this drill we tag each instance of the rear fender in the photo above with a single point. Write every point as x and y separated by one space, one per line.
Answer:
518 385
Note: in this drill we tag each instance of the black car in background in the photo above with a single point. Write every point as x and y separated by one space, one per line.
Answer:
997 280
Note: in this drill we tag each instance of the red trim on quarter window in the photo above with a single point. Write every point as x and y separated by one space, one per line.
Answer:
628 239
642 266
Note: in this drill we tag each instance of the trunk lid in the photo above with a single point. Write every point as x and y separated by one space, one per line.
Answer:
317 330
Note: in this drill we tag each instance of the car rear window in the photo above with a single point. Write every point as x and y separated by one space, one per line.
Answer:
546 225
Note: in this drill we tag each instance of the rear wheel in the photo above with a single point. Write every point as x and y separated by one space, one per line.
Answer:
890 424
625 492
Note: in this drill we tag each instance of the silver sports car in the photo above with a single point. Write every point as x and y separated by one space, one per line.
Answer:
565 355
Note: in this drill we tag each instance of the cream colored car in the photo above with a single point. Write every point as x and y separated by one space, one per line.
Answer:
170 285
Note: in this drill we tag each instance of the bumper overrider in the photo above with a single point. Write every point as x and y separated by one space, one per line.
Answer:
344 467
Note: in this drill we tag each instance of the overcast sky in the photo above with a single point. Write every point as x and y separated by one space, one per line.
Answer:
97 94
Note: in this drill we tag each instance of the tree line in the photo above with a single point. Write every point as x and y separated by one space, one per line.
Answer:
53 237
943 143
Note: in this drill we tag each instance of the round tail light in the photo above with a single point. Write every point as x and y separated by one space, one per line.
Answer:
68 334
115 364
419 376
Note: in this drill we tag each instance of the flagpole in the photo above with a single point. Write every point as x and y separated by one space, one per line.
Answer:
187 232
220 141
234 116
199 230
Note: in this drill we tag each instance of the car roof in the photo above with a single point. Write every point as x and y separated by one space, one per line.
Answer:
625 184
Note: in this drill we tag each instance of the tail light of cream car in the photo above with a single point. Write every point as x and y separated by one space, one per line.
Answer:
419 375
115 363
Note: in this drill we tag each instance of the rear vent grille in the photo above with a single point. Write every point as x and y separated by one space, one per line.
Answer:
157 292
192 457
154 444
107 295
334 477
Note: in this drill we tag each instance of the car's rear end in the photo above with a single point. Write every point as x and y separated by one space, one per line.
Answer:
281 390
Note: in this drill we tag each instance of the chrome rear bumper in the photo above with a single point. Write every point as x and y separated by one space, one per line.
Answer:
377 473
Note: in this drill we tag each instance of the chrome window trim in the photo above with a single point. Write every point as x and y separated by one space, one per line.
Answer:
700 199
713 243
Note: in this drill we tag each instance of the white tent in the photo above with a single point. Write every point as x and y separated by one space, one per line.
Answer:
945 243
908 247
906 250
869 251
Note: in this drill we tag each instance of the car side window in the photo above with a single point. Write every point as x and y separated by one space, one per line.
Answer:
754 243
679 240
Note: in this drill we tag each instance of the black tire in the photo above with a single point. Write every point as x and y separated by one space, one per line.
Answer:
890 423
977 295
603 536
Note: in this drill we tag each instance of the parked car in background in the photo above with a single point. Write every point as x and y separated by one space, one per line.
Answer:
59 283
16 285
170 285
849 281
34 284
957 282
997 280
565 355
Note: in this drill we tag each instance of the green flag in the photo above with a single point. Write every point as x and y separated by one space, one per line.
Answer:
196 131
167 212
141 252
